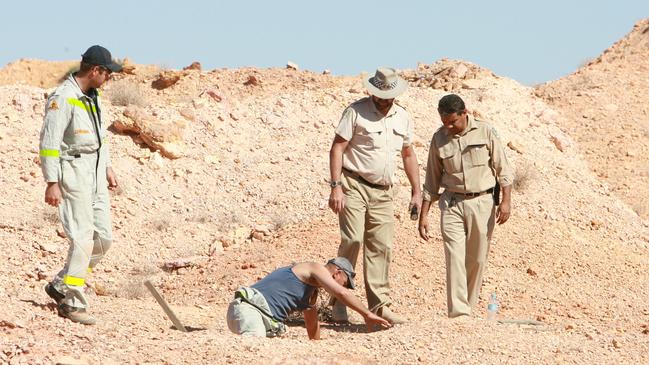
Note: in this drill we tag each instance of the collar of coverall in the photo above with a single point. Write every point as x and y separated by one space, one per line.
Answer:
77 88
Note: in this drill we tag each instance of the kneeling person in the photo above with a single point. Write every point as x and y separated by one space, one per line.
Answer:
261 309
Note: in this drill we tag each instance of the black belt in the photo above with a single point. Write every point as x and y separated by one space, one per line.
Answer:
359 177
473 195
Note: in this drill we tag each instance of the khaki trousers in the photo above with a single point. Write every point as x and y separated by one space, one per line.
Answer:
466 225
368 220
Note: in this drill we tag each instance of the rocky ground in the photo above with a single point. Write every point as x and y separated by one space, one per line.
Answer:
222 178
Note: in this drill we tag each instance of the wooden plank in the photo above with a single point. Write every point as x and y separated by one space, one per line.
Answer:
179 326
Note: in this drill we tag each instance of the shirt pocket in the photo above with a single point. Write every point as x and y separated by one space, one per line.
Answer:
82 134
398 136
370 135
450 158
479 153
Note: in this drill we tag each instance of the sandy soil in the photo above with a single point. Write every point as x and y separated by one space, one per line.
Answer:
249 195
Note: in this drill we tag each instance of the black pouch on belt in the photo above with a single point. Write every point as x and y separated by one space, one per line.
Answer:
496 194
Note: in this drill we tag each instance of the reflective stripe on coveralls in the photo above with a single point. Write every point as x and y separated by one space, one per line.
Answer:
78 162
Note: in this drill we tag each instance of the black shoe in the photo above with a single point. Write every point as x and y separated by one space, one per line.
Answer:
53 293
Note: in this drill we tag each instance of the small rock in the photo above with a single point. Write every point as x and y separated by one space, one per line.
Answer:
183 263
156 161
326 72
100 290
215 95
531 272
516 146
212 159
560 141
252 81
8 324
49 247
595 224
61 233
165 79
216 248
188 114
617 344
292 66
194 66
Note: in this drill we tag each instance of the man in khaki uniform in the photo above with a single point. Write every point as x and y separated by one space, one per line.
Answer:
371 133
467 159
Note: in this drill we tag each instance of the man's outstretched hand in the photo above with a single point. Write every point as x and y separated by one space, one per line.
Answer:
372 320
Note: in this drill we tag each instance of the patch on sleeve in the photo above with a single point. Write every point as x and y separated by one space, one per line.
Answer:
53 106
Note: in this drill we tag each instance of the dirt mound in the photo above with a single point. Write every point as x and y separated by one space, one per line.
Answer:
249 194
44 74
604 107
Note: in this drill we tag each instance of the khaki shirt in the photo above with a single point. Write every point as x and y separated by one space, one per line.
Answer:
374 140
466 163
73 125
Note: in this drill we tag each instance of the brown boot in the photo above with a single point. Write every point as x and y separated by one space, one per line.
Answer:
77 315
390 316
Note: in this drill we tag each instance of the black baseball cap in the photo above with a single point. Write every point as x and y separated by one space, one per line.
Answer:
346 266
100 56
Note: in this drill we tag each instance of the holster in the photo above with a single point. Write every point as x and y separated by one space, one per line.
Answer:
496 194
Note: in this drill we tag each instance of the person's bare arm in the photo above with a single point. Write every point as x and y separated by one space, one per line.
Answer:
311 318
321 275
411 167
424 229
337 197
431 189
504 209
111 177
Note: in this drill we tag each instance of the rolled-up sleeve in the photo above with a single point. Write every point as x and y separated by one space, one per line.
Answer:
433 174
57 117
407 139
501 166
345 128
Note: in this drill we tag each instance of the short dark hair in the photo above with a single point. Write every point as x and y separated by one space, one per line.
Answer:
85 67
450 104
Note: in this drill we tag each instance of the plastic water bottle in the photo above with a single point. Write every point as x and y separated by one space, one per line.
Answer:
492 308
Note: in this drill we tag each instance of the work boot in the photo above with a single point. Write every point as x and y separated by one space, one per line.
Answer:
77 315
53 293
390 316
339 313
